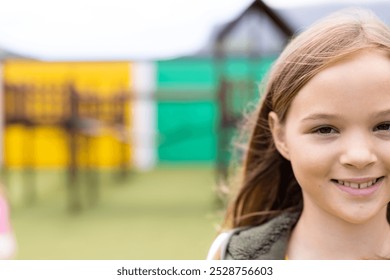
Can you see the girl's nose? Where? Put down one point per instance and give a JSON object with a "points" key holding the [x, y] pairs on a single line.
{"points": [[358, 153]]}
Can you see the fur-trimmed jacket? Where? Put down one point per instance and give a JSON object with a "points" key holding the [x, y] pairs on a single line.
{"points": [[264, 242]]}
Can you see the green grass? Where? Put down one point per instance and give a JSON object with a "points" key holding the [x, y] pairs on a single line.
{"points": [[168, 213]]}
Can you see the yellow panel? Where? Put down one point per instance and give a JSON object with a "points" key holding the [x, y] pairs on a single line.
{"points": [[52, 145], [49, 144], [14, 141]]}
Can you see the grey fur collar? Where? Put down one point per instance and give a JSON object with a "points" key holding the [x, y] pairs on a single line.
{"points": [[267, 241]]}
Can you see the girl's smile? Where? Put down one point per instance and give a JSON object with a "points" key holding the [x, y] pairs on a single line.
{"points": [[359, 186]]}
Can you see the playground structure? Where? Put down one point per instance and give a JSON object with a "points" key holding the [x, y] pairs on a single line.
{"points": [[81, 116]]}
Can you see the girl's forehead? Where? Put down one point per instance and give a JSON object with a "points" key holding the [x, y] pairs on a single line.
{"points": [[356, 87], [368, 67]]}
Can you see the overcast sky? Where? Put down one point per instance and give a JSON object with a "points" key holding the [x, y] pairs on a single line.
{"points": [[117, 29], [292, 3]]}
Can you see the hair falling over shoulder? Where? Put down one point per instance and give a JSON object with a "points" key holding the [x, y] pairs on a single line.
{"points": [[266, 182]]}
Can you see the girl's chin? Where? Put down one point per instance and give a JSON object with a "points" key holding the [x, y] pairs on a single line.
{"points": [[360, 217]]}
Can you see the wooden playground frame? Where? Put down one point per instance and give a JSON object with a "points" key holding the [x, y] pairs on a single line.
{"points": [[81, 115]]}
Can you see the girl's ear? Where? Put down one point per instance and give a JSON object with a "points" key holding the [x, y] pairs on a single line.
{"points": [[278, 136]]}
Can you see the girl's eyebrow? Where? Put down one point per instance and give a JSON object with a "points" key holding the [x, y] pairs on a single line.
{"points": [[326, 116], [321, 116], [382, 113]]}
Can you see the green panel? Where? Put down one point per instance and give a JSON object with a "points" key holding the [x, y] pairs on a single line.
{"points": [[188, 73], [247, 68], [187, 131]]}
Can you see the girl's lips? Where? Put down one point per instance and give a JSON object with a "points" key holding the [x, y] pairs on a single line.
{"points": [[366, 191]]}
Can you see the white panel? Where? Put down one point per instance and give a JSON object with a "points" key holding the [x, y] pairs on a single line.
{"points": [[144, 115]]}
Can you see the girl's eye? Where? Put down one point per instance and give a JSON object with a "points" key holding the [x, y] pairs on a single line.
{"points": [[383, 126], [325, 130]]}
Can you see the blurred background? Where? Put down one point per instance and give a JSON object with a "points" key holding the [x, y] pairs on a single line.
{"points": [[118, 117]]}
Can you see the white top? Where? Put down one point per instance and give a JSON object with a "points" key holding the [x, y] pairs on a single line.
{"points": [[220, 244], [7, 246]]}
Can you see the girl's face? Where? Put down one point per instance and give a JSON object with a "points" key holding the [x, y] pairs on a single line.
{"points": [[337, 137]]}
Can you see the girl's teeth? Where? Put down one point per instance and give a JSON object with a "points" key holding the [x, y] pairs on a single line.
{"points": [[355, 185]]}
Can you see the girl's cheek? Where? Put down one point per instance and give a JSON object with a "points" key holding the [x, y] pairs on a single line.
{"points": [[310, 160]]}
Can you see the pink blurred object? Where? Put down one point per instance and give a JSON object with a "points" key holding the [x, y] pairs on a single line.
{"points": [[7, 238], [4, 216]]}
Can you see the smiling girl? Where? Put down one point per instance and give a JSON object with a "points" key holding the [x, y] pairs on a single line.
{"points": [[315, 182]]}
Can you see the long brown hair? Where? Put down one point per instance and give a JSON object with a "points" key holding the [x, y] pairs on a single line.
{"points": [[267, 184]]}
